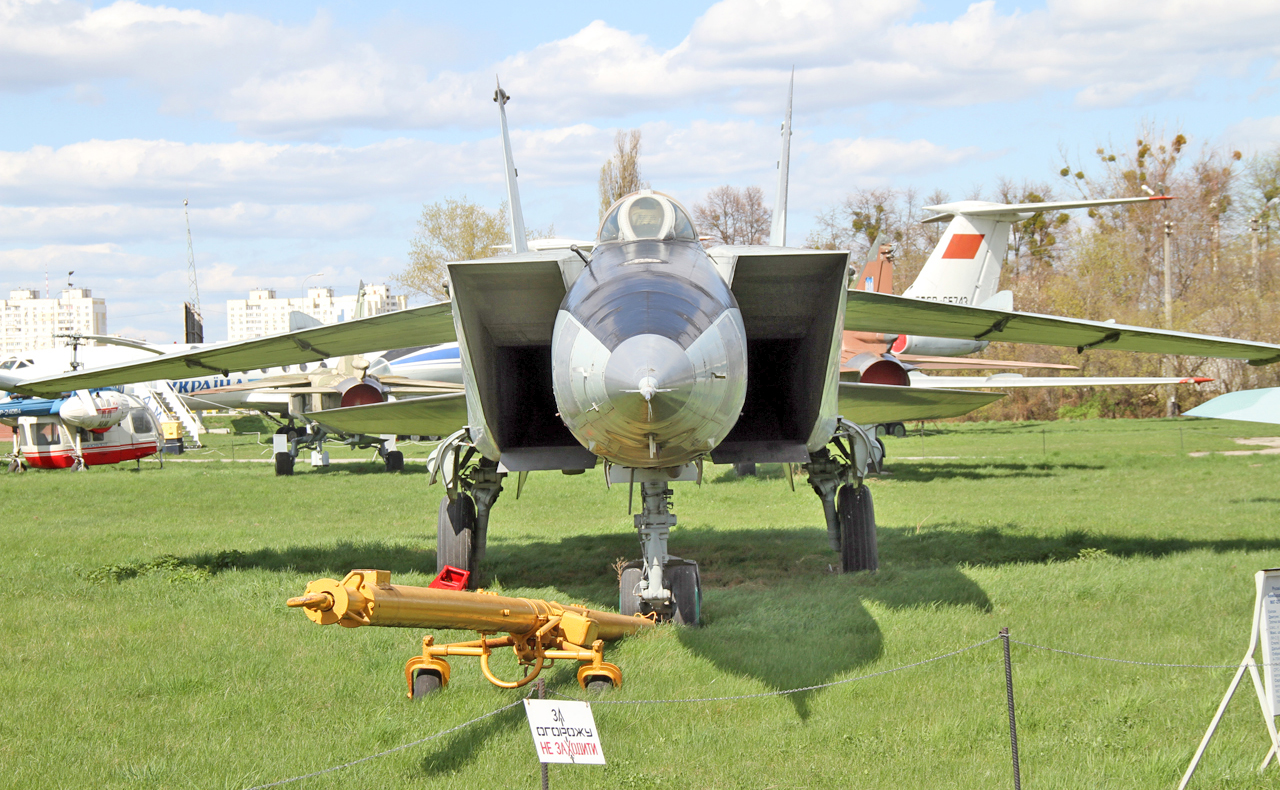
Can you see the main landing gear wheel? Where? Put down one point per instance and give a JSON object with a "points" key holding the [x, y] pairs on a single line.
{"points": [[15, 466], [456, 533], [858, 550], [426, 681], [284, 464], [745, 469], [394, 461]]}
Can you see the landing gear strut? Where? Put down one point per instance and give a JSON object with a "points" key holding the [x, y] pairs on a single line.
{"points": [[846, 501], [472, 483], [667, 586]]}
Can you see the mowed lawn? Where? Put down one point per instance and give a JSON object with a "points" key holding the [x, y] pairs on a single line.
{"points": [[146, 642]]}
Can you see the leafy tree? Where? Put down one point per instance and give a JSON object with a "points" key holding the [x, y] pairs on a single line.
{"points": [[453, 230], [733, 216], [621, 174]]}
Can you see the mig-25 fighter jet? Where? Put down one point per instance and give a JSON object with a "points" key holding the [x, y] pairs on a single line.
{"points": [[654, 355]]}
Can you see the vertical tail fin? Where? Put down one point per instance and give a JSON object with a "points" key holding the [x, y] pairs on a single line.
{"points": [[876, 274], [778, 232], [965, 266], [518, 242]]}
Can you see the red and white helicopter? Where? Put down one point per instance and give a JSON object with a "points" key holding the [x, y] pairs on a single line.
{"points": [[89, 428]]}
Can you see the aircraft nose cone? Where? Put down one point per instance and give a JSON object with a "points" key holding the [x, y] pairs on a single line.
{"points": [[649, 378]]}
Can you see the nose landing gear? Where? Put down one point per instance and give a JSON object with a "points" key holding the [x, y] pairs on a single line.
{"points": [[660, 584]]}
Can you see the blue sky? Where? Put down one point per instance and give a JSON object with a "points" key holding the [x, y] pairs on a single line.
{"points": [[307, 137]]}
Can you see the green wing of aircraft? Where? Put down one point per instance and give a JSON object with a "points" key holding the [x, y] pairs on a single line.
{"points": [[874, 312], [434, 415]]}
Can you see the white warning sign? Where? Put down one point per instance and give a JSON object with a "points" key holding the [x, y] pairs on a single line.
{"points": [[1269, 620], [564, 732]]}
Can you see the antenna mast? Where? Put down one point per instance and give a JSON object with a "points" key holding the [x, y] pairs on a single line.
{"points": [[193, 322]]}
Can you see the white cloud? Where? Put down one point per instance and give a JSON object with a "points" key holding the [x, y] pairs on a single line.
{"points": [[1254, 134], [314, 80]]}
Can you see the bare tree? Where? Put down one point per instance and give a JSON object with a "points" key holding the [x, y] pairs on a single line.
{"points": [[621, 174], [454, 230], [733, 216]]}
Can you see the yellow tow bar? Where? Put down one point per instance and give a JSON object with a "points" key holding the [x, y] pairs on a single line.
{"points": [[539, 632]]}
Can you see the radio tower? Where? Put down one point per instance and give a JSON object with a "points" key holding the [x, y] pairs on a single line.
{"points": [[192, 320]]}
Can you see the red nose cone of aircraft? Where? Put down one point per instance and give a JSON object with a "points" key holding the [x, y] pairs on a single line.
{"points": [[361, 395]]}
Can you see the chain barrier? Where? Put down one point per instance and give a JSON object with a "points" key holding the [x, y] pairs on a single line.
{"points": [[1236, 665], [777, 693], [759, 695], [402, 747]]}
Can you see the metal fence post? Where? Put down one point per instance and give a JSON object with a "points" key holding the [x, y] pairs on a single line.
{"points": [[542, 694], [1013, 725]]}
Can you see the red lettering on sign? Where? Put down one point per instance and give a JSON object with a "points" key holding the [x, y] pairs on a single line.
{"points": [[964, 246]]}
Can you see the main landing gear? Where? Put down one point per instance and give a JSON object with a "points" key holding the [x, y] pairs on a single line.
{"points": [[660, 584], [472, 483], [846, 501]]}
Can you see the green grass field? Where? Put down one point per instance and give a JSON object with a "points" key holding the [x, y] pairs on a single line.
{"points": [[146, 641]]}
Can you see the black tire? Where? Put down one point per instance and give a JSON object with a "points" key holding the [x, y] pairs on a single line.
{"points": [[745, 470], [858, 550], [685, 584], [599, 683], [456, 533], [628, 599], [426, 682], [284, 464], [14, 466], [394, 461]]}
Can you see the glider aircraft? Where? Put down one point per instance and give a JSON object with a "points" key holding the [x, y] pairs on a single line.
{"points": [[654, 355]]}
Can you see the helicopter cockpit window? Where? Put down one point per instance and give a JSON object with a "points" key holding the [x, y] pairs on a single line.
{"points": [[141, 422], [45, 435]]}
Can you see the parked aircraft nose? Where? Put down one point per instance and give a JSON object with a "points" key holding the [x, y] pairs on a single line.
{"points": [[649, 378]]}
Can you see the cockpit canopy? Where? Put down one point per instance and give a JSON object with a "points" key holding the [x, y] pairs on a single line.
{"points": [[647, 215]]}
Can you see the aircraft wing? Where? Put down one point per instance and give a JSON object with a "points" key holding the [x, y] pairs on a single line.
{"points": [[435, 415], [1015, 380], [420, 326], [867, 404], [1261, 405], [874, 312]]}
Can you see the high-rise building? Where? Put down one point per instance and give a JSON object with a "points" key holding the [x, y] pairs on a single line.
{"points": [[29, 323], [263, 314]]}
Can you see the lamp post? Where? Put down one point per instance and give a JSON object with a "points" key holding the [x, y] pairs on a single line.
{"points": [[308, 277]]}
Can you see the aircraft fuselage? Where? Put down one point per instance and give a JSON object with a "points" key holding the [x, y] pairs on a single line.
{"points": [[649, 361]]}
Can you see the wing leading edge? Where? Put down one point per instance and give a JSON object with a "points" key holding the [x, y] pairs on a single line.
{"points": [[874, 312]]}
